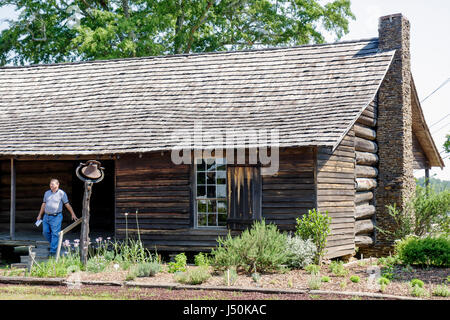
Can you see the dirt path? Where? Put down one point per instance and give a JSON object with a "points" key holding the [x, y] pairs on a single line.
{"points": [[89, 292]]}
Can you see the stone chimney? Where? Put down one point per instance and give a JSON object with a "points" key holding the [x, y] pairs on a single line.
{"points": [[394, 133]]}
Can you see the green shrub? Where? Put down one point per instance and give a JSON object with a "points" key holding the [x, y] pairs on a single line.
{"points": [[314, 282], [256, 277], [55, 269], [431, 211], [96, 264], [148, 269], [260, 249], [325, 279], [132, 273], [193, 276], [425, 213], [201, 259], [416, 283], [354, 279], [230, 276], [313, 268], [315, 226], [388, 272], [179, 265], [417, 291], [384, 281], [343, 284], [441, 291], [429, 251], [338, 269], [300, 252]]}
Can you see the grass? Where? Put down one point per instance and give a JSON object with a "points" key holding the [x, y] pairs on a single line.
{"points": [[42, 293]]}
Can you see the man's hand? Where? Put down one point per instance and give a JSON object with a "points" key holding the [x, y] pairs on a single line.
{"points": [[39, 217], [74, 217]]}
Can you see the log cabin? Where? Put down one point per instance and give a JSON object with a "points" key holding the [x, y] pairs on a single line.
{"points": [[349, 133]]}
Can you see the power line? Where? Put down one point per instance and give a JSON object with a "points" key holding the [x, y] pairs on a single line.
{"points": [[443, 84], [439, 121], [441, 128]]}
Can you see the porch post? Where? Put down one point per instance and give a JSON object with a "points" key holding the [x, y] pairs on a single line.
{"points": [[12, 219], [427, 179]]}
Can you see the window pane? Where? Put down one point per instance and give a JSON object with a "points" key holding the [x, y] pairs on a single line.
{"points": [[201, 220], [211, 191], [221, 174], [211, 177], [212, 206], [222, 206], [221, 191], [201, 165], [222, 219], [210, 164], [201, 191], [201, 206], [212, 220], [201, 178]]}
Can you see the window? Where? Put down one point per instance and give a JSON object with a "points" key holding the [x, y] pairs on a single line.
{"points": [[211, 192]]}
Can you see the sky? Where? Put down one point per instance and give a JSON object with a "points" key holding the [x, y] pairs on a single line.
{"points": [[430, 55]]}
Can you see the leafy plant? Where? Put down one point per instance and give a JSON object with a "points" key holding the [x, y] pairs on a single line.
{"points": [[417, 282], [97, 264], [418, 291], [148, 269], [300, 252], [338, 269], [256, 277], [132, 274], [325, 279], [388, 272], [313, 268], [441, 291], [193, 276], [354, 279], [429, 251], [316, 226], [384, 281], [202, 259], [52, 268], [314, 282], [60, 31], [230, 276], [259, 249], [179, 265], [343, 284], [424, 214]]}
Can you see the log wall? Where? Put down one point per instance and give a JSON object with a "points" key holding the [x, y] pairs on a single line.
{"points": [[161, 192], [291, 192], [366, 174], [336, 194]]}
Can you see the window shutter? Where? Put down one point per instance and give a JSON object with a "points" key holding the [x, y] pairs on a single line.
{"points": [[244, 196]]}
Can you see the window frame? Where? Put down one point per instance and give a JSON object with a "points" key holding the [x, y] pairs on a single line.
{"points": [[196, 199]]}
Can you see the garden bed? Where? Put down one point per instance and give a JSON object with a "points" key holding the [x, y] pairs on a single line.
{"points": [[297, 279]]}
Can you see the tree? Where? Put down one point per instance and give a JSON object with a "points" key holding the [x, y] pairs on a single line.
{"points": [[71, 30], [447, 144]]}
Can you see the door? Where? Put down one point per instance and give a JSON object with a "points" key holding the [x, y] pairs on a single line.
{"points": [[244, 196]]}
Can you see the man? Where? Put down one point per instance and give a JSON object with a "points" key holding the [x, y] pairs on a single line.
{"points": [[52, 205]]}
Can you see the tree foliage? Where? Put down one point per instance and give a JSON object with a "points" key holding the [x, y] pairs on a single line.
{"points": [[69, 30]]}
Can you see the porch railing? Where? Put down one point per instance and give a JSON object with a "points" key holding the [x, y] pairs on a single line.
{"points": [[61, 236]]}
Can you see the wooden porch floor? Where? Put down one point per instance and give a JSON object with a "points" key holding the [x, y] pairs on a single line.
{"points": [[26, 235]]}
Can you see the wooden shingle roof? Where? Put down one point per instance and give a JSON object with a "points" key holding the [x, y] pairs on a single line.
{"points": [[311, 94]]}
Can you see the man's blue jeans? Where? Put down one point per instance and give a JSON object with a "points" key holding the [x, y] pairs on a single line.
{"points": [[51, 225]]}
